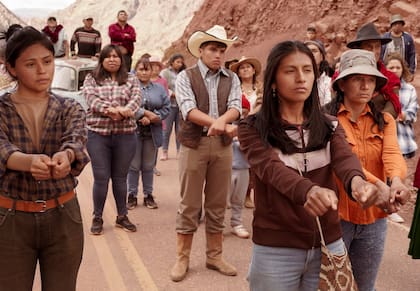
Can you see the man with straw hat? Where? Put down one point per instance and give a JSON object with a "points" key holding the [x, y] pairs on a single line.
{"points": [[209, 99], [402, 42], [368, 38]]}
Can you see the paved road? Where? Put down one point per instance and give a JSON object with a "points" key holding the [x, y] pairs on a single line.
{"points": [[120, 261]]}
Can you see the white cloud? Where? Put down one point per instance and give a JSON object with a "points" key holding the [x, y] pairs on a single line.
{"points": [[50, 4]]}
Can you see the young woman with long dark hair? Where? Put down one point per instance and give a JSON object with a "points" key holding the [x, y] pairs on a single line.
{"points": [[289, 135]]}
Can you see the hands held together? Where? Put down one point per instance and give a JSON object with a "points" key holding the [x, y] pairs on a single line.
{"points": [[118, 113], [319, 200], [219, 127], [59, 166]]}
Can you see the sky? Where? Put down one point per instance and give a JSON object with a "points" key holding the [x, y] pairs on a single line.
{"points": [[49, 4]]}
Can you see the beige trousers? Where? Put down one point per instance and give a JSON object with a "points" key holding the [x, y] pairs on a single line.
{"points": [[208, 166]]}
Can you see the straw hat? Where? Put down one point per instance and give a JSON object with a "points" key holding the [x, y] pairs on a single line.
{"points": [[155, 60], [396, 18], [357, 61], [367, 32], [252, 61], [216, 33]]}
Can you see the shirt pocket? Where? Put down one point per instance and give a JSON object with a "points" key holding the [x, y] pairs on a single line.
{"points": [[374, 148]]}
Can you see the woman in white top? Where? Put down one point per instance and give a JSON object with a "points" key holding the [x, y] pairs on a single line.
{"points": [[324, 79], [248, 69]]}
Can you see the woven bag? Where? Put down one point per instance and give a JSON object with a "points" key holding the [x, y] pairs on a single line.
{"points": [[336, 273]]}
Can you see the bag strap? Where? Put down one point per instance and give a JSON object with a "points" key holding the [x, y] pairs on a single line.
{"points": [[317, 218], [320, 231]]}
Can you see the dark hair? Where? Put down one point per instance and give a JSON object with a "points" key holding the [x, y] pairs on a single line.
{"points": [[334, 106], [100, 74], [174, 57], [324, 66], [406, 75], [52, 18], [217, 43], [23, 38], [311, 28], [145, 62], [271, 126], [9, 32], [254, 77], [121, 11]]}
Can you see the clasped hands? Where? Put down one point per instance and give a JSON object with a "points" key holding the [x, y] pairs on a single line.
{"points": [[219, 127], [44, 167], [319, 200], [118, 113]]}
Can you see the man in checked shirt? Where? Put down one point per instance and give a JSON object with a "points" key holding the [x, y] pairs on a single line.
{"points": [[209, 98]]}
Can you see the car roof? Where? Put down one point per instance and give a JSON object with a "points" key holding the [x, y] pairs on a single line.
{"points": [[79, 63]]}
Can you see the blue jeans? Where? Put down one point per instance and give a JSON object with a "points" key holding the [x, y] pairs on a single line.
{"points": [[110, 157], [365, 244], [144, 160], [287, 269], [172, 118]]}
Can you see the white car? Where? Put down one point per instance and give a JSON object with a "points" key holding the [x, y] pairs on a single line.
{"points": [[69, 76]]}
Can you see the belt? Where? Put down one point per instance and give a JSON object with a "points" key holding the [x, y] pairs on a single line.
{"points": [[35, 206]]}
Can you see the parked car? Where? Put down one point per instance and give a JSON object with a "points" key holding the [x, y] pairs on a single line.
{"points": [[69, 76]]}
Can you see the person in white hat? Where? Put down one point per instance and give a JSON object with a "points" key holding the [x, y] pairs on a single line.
{"points": [[88, 40], [373, 138], [402, 42], [209, 99]]}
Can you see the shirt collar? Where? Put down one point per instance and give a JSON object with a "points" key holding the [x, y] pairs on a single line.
{"points": [[345, 111], [204, 70]]}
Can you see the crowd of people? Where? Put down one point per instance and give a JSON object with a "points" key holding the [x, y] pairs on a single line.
{"points": [[309, 139]]}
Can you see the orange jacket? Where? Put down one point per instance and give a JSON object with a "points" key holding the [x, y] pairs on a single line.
{"points": [[379, 155]]}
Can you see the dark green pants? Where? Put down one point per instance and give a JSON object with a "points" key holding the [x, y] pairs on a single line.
{"points": [[53, 238]]}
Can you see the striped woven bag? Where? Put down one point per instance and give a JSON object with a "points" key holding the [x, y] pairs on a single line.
{"points": [[336, 272]]}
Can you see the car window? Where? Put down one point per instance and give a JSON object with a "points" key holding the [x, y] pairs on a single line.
{"points": [[64, 79]]}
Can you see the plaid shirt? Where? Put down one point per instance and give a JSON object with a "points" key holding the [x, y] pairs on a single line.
{"points": [[100, 97], [408, 100], [64, 127]]}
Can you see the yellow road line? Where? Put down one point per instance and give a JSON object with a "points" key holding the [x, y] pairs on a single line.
{"points": [[106, 260], [133, 259]]}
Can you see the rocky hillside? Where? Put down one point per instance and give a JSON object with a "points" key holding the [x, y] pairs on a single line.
{"points": [[157, 23], [7, 18], [260, 24]]}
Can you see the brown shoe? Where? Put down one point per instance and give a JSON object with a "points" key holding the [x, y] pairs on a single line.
{"points": [[183, 246], [248, 201], [214, 255]]}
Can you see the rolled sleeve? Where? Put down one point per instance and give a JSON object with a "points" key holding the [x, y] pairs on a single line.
{"points": [[184, 94], [75, 136], [6, 150], [234, 99]]}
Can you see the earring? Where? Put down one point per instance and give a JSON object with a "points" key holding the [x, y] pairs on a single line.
{"points": [[274, 93]]}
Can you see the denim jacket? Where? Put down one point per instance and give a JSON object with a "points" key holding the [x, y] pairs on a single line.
{"points": [[155, 99]]}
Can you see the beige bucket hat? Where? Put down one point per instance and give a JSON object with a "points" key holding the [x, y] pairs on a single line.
{"points": [[358, 61], [216, 33], [397, 18], [249, 60]]}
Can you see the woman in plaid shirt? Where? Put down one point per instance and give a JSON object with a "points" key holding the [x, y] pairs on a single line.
{"points": [[42, 142], [113, 96]]}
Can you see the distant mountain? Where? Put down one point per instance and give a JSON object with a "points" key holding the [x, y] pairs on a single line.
{"points": [[157, 23], [7, 18]]}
